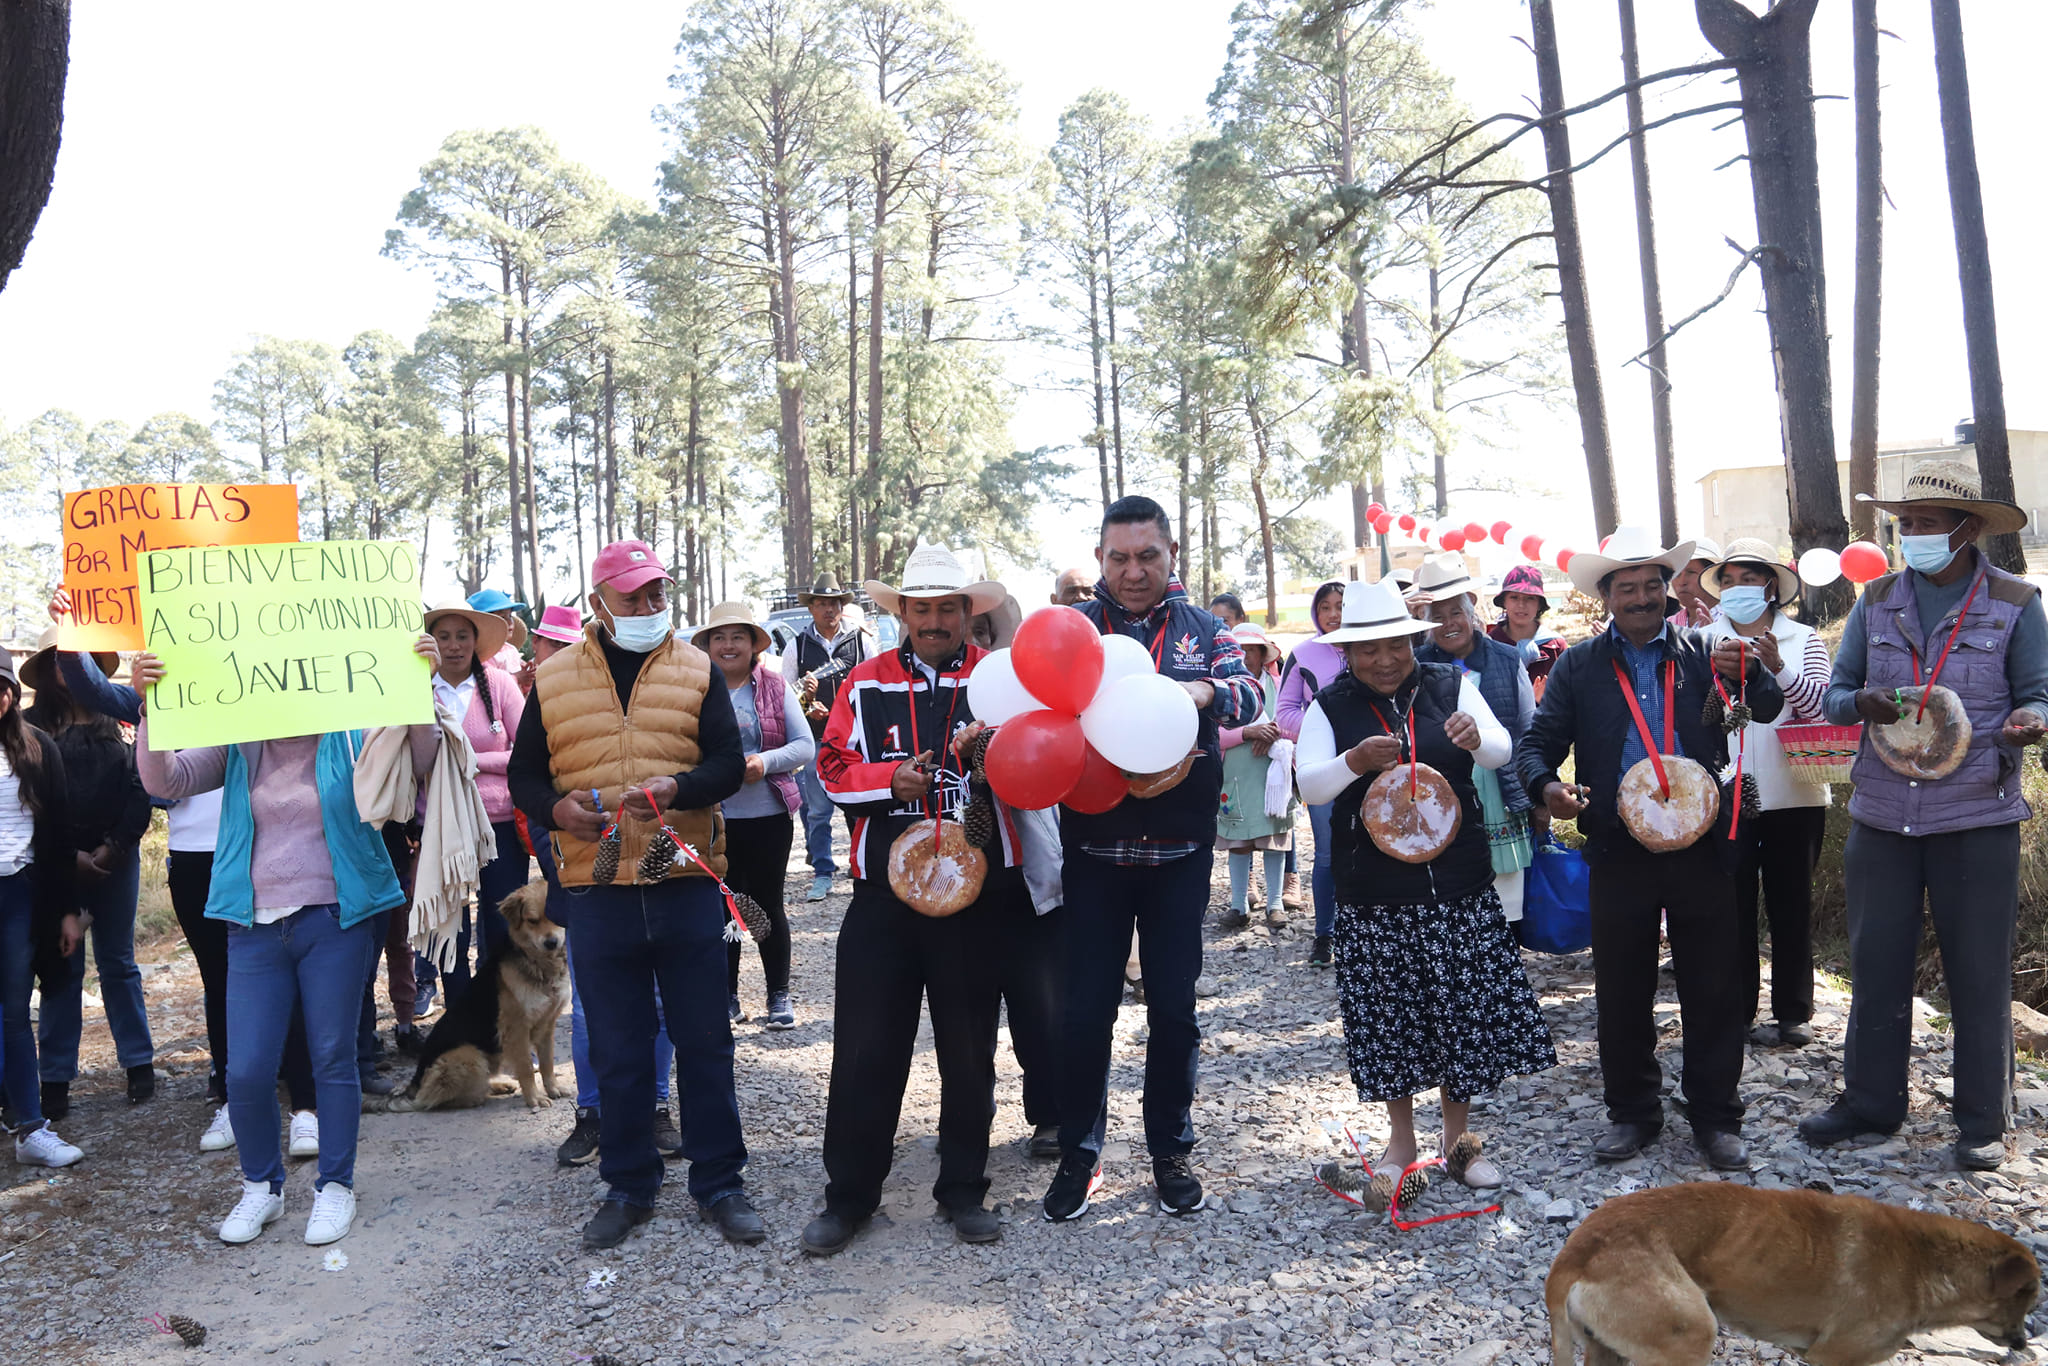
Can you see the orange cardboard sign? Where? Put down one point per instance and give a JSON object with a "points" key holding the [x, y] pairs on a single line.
{"points": [[106, 530]]}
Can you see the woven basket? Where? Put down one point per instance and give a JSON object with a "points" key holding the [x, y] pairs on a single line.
{"points": [[1821, 754]]}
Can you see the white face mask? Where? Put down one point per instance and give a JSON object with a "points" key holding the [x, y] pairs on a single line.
{"points": [[1744, 602], [638, 634]]}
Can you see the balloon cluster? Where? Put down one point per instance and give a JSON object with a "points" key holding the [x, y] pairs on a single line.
{"points": [[1076, 713], [1472, 534]]}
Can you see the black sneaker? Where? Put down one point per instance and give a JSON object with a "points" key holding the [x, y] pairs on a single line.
{"points": [[56, 1100], [1179, 1190], [1320, 956], [141, 1083], [734, 1214], [581, 1144], [667, 1141], [733, 1012], [423, 1000], [377, 1084], [1077, 1180], [612, 1222]]}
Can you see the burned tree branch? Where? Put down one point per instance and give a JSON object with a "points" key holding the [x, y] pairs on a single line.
{"points": [[1755, 253]]}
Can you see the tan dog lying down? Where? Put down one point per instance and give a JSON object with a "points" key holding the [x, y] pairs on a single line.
{"points": [[1838, 1279], [507, 1017]]}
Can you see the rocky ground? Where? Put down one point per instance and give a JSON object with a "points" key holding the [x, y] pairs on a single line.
{"points": [[465, 1248]]}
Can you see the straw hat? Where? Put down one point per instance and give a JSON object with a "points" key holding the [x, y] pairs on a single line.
{"points": [[1953, 484], [1249, 635], [36, 672], [491, 630], [1749, 550], [732, 614], [1704, 549], [1375, 611], [1442, 577], [933, 571], [1629, 545]]}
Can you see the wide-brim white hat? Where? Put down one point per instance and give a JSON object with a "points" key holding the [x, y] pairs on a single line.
{"points": [[933, 571], [1443, 577], [1375, 611], [1628, 546], [1956, 485]]}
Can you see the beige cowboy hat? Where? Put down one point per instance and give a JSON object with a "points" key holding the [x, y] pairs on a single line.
{"points": [[1953, 484], [1704, 549], [1442, 577], [1629, 545], [826, 586], [1004, 619], [733, 614], [36, 672], [1750, 550], [491, 630], [933, 571], [1249, 636], [1375, 611]]}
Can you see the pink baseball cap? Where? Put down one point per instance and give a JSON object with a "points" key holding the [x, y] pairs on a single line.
{"points": [[563, 625], [626, 565]]}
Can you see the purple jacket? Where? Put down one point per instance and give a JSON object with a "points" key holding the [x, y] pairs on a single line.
{"points": [[1986, 789], [769, 688], [1314, 665]]}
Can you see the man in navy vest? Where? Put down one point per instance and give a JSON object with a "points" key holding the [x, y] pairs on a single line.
{"points": [[815, 664], [1145, 862]]}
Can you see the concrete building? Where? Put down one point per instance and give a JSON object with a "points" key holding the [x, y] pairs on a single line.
{"points": [[1749, 500]]}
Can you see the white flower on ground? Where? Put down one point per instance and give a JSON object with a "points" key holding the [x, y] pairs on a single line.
{"points": [[600, 1277], [335, 1260]]}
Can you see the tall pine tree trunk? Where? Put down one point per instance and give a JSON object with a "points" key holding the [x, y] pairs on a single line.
{"points": [[1116, 396], [1653, 294], [35, 41], [511, 434], [852, 393], [1973, 266], [1095, 363], [1571, 273], [795, 456], [1261, 443], [1357, 344], [1865, 330]]}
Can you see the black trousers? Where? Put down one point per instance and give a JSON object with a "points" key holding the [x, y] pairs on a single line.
{"points": [[1695, 892], [890, 959], [1968, 880], [190, 876], [756, 865], [1031, 985], [1779, 851]]}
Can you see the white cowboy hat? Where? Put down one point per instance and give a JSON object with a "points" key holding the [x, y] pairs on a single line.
{"points": [[1704, 549], [492, 631], [1749, 550], [1375, 611], [1957, 485], [933, 571], [1629, 545], [1442, 577]]}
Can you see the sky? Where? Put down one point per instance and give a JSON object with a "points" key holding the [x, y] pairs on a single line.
{"points": [[230, 169]]}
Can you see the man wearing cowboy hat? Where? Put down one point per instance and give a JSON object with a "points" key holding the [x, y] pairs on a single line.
{"points": [[816, 664], [624, 752], [1645, 664], [1951, 843], [1145, 862], [890, 760]]}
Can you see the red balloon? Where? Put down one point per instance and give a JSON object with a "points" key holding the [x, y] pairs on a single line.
{"points": [[1474, 533], [1452, 540], [1862, 562], [1532, 547], [1058, 657], [1406, 521], [1424, 532], [1604, 540], [1102, 785], [1381, 520], [1035, 759], [1500, 532], [1564, 558], [1374, 509]]}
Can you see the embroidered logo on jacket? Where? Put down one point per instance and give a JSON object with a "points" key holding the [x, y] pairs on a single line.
{"points": [[1187, 652]]}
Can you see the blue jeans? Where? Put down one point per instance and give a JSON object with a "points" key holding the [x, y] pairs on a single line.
{"points": [[111, 903], [17, 981], [579, 1050], [305, 963], [1103, 901], [818, 813], [626, 941], [1322, 883]]}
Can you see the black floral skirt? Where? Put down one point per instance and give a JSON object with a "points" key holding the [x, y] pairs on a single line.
{"points": [[1433, 995]]}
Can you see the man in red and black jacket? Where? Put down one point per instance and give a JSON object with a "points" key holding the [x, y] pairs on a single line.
{"points": [[887, 757]]}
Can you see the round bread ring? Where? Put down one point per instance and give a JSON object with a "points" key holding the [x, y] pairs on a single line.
{"points": [[1159, 784], [1932, 747], [1664, 827], [1412, 829], [936, 880]]}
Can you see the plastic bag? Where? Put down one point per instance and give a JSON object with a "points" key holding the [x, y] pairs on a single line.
{"points": [[1556, 907]]}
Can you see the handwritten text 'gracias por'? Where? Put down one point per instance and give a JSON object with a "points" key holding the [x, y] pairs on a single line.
{"points": [[289, 642]]}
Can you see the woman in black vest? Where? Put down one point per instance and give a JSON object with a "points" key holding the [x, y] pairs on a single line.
{"points": [[1428, 974]]}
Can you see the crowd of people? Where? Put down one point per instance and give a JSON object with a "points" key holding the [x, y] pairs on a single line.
{"points": [[656, 781]]}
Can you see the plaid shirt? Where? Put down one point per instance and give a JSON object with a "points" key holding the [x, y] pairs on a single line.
{"points": [[1237, 703]]}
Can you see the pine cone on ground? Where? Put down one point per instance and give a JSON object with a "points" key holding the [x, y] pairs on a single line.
{"points": [[190, 1333]]}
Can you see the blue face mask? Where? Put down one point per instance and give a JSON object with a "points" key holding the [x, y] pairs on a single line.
{"points": [[1744, 602], [638, 634], [1928, 554]]}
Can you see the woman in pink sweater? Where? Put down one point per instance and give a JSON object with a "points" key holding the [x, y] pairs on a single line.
{"points": [[488, 704]]}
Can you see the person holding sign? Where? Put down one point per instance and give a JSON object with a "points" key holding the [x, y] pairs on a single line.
{"points": [[1630, 704], [624, 752], [300, 880], [1429, 976]]}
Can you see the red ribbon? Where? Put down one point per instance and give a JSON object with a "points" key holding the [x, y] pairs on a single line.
{"points": [[1942, 658], [1628, 694], [732, 904], [1410, 719], [1742, 740], [937, 810], [1394, 1203]]}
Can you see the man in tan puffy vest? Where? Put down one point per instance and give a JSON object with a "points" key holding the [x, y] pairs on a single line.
{"points": [[624, 751]]}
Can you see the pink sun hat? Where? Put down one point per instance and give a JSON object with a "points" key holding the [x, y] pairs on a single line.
{"points": [[563, 625]]}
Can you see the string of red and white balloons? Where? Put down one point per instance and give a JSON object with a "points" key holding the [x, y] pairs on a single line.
{"points": [[1858, 562]]}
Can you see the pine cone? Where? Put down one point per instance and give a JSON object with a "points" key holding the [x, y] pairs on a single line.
{"points": [[1752, 800], [1412, 1185], [1463, 1154], [1738, 717], [605, 868], [755, 915], [660, 856], [980, 818], [190, 1333], [977, 752], [1712, 713]]}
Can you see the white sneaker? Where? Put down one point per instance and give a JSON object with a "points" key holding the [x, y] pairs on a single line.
{"points": [[305, 1135], [334, 1209], [252, 1213], [42, 1148], [219, 1135]]}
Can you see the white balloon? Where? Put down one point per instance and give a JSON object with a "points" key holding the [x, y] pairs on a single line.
{"points": [[1142, 723], [994, 693], [1121, 658], [1820, 567]]}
